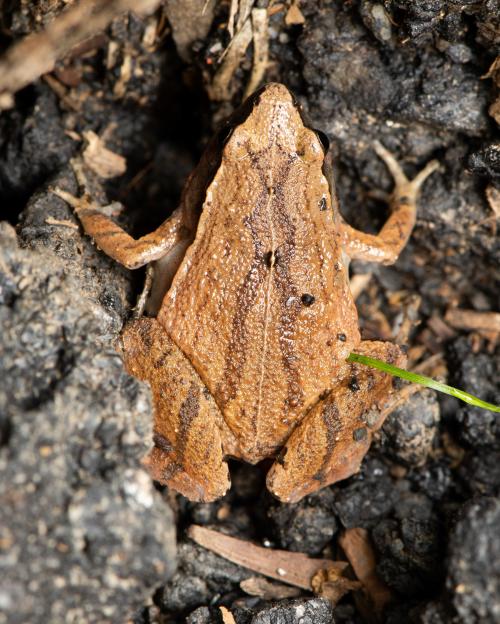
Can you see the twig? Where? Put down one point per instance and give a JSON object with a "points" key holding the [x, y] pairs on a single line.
{"points": [[260, 49], [358, 549], [288, 567], [473, 320], [61, 222]]}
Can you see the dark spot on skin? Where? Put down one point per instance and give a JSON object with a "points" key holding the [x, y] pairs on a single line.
{"points": [[162, 443], [324, 394], [328, 343], [322, 203], [371, 382], [354, 384], [337, 266], [307, 299], [206, 394], [397, 383], [342, 337], [404, 200], [359, 434]]}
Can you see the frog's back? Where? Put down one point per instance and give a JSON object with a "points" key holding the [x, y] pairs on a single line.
{"points": [[261, 303]]}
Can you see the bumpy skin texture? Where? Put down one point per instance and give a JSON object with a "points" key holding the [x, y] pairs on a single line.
{"points": [[247, 355], [262, 295]]}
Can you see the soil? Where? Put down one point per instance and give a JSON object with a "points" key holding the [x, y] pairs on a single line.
{"points": [[85, 536]]}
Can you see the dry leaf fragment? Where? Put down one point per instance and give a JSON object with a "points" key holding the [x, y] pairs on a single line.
{"points": [[289, 567], [331, 585], [105, 163], [358, 549]]}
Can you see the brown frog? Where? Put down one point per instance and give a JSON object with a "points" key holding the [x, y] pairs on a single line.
{"points": [[253, 318]]}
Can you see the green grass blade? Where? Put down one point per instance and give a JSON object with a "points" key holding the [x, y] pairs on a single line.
{"points": [[423, 381]]}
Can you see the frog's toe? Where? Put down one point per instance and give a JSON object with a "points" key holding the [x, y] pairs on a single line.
{"points": [[405, 188]]}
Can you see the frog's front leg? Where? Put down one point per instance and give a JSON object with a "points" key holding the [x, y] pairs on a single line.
{"points": [[386, 246], [335, 435], [189, 432], [116, 243]]}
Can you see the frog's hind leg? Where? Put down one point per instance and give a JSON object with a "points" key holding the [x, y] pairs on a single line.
{"points": [[187, 453], [331, 441], [386, 246]]}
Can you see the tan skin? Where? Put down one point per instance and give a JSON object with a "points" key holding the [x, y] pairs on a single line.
{"points": [[253, 316]]}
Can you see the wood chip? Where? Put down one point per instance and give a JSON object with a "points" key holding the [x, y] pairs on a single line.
{"points": [[293, 568], [359, 551], [227, 616], [472, 320], [105, 163], [28, 59], [294, 15]]}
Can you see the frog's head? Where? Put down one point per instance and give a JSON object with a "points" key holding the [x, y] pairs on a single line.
{"points": [[271, 120]]}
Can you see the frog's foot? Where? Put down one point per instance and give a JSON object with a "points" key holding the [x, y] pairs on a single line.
{"points": [[386, 246], [187, 455], [330, 443], [405, 190]]}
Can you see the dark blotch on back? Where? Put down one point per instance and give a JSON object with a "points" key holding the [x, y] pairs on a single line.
{"points": [[308, 299]]}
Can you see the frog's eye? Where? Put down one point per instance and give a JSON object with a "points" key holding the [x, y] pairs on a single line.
{"points": [[236, 144], [324, 140], [309, 148]]}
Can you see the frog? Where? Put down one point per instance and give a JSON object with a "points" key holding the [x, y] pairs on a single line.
{"points": [[249, 320]]}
